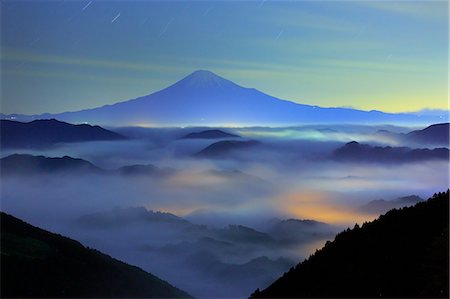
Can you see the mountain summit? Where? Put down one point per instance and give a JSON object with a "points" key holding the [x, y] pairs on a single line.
{"points": [[204, 98], [204, 80]]}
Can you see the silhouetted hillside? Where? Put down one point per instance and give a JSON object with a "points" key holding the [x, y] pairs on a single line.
{"points": [[240, 233], [356, 152], [221, 148], [295, 230], [28, 164], [380, 206], [435, 134], [260, 270], [404, 253], [23, 164], [37, 263], [44, 133], [209, 134], [120, 217]]}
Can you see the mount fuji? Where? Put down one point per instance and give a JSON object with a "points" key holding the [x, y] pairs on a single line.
{"points": [[206, 99]]}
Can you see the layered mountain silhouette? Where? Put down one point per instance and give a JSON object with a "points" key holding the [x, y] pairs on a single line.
{"points": [[380, 206], [234, 258], [220, 149], [437, 134], [24, 164], [240, 233], [39, 264], [119, 217], [434, 135], [44, 133], [402, 254], [209, 134], [206, 98], [258, 271], [356, 152], [297, 231]]}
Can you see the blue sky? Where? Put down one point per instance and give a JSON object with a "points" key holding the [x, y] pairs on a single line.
{"points": [[69, 55]]}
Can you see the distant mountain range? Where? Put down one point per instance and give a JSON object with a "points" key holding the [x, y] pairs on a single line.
{"points": [[220, 149], [402, 254], [258, 271], [237, 256], [437, 134], [209, 134], [356, 152], [45, 133], [204, 98], [380, 206], [434, 135], [279, 230], [39, 264], [24, 164], [119, 217], [296, 231]]}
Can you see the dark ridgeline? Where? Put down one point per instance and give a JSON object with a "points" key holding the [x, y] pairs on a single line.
{"points": [[404, 253], [209, 134], [121, 217], [23, 164], [291, 231], [48, 132], [381, 206], [222, 148], [356, 152], [434, 134], [37, 263]]}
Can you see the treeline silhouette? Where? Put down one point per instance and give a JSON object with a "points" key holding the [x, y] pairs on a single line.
{"points": [[38, 264], [404, 253]]}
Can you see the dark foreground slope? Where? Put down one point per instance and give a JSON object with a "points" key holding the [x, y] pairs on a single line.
{"points": [[37, 263], [404, 253]]}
